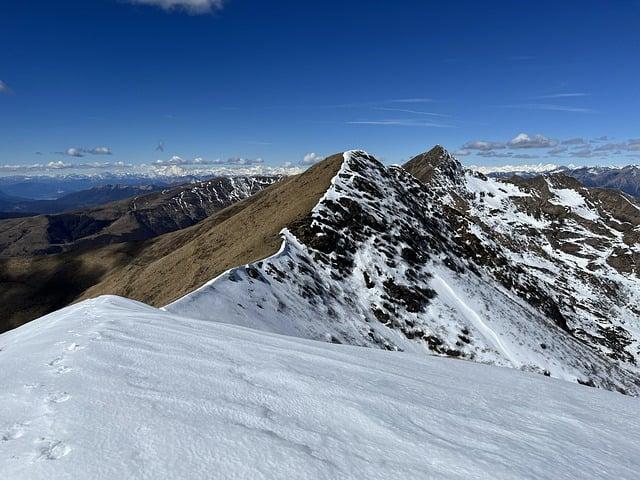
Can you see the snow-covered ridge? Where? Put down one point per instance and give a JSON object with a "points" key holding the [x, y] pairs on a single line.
{"points": [[111, 388], [465, 269], [201, 199]]}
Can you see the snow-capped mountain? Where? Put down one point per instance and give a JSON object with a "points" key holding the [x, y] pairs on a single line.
{"points": [[527, 169], [538, 276], [625, 178], [112, 388]]}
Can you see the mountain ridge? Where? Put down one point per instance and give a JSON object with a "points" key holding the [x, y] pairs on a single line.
{"points": [[537, 274], [431, 262]]}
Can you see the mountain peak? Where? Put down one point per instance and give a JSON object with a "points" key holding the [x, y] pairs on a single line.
{"points": [[436, 162]]}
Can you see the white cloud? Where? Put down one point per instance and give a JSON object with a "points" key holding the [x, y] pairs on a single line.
{"points": [[237, 161], [522, 140], [412, 100], [58, 165], [463, 152], [483, 145], [243, 161], [4, 88], [415, 112], [75, 152], [190, 6], [398, 123], [81, 152], [100, 151], [550, 107], [175, 160], [311, 158], [565, 95]]}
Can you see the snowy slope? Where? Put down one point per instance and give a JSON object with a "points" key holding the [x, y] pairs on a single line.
{"points": [[462, 266], [111, 388]]}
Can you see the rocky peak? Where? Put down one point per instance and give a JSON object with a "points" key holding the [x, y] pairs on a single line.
{"points": [[438, 164]]}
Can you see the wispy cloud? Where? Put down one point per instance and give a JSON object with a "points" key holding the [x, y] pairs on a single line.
{"points": [[550, 107], [380, 103], [415, 112], [565, 95], [190, 6], [4, 88], [399, 123], [412, 100]]}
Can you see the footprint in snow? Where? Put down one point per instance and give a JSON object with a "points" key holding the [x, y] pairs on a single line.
{"points": [[55, 362], [58, 397], [14, 432], [73, 347], [54, 450]]}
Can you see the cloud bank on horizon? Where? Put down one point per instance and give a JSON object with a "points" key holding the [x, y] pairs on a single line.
{"points": [[539, 146]]}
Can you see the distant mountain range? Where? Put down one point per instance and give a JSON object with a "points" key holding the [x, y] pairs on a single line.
{"points": [[625, 178], [13, 207], [54, 186], [135, 218], [24, 188], [46, 261]]}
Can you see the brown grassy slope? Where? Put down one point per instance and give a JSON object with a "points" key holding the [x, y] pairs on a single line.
{"points": [[159, 270], [422, 166], [175, 264]]}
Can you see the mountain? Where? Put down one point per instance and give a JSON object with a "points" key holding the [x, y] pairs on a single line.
{"points": [[135, 218], [540, 277], [509, 170], [625, 179], [117, 237], [538, 274], [159, 270], [113, 388], [40, 186], [12, 207]]}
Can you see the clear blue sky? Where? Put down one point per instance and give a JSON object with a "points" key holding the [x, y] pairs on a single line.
{"points": [[281, 79]]}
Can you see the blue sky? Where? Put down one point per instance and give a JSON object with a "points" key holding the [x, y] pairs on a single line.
{"points": [[233, 81]]}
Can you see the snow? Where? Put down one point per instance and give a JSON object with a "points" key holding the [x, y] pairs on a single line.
{"points": [[112, 388], [533, 168], [572, 199], [448, 294]]}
